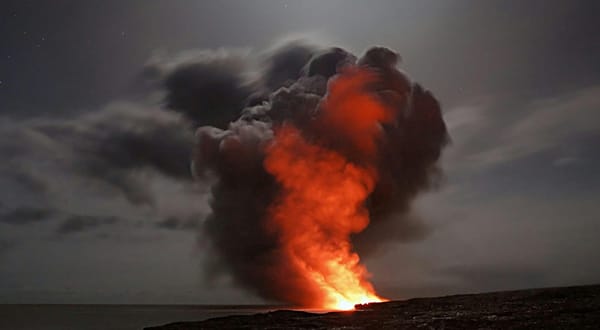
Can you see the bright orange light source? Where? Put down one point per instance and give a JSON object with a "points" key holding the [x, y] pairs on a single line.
{"points": [[323, 196]]}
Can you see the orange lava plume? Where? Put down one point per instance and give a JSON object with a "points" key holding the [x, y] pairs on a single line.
{"points": [[323, 195]]}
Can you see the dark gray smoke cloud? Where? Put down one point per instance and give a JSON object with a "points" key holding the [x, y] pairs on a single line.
{"points": [[243, 191], [284, 65], [180, 223], [79, 223], [210, 91], [211, 87], [109, 146], [81, 172], [25, 214]]}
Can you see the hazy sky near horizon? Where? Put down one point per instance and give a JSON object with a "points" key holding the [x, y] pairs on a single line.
{"points": [[519, 84]]}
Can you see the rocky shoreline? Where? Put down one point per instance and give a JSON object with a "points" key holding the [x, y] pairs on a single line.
{"points": [[551, 308]]}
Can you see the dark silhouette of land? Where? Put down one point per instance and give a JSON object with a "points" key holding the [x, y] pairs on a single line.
{"points": [[552, 308]]}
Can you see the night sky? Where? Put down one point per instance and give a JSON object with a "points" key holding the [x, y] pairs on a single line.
{"points": [[90, 214]]}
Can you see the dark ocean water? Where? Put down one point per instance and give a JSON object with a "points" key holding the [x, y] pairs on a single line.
{"points": [[111, 317]]}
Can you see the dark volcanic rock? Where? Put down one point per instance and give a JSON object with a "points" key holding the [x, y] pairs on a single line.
{"points": [[554, 308]]}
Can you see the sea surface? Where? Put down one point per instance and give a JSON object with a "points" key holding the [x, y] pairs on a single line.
{"points": [[111, 317]]}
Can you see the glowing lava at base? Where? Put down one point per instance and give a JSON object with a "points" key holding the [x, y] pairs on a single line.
{"points": [[320, 207], [323, 196]]}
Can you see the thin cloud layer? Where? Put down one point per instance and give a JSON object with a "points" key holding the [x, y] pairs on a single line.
{"points": [[91, 169], [547, 125]]}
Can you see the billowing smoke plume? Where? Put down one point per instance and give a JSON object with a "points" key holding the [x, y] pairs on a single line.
{"points": [[364, 116]]}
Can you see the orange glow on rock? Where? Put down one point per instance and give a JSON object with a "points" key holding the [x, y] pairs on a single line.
{"points": [[323, 195]]}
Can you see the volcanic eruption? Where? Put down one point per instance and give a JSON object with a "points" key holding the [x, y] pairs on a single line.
{"points": [[305, 176]]}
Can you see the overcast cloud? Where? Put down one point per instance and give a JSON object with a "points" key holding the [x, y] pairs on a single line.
{"points": [[95, 177]]}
